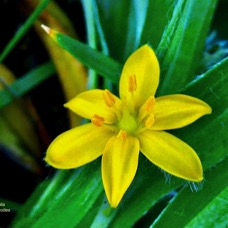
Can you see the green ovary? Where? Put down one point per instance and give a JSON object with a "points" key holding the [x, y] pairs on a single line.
{"points": [[128, 123]]}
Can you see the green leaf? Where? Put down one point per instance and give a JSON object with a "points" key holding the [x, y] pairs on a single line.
{"points": [[157, 17], [26, 83], [101, 63], [11, 145], [100, 31], [190, 207], [208, 135], [214, 214], [90, 217], [183, 51], [23, 29], [64, 201], [122, 24], [138, 12], [114, 17], [91, 39], [169, 31]]}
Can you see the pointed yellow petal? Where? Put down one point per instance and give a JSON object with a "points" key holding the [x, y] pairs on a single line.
{"points": [[171, 154], [140, 76], [176, 111], [95, 103], [78, 146], [119, 165]]}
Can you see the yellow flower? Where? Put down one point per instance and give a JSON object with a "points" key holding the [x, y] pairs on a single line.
{"points": [[121, 127]]}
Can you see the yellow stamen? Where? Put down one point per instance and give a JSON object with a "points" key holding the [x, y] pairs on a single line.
{"points": [[122, 134], [146, 109], [109, 99], [97, 120], [132, 83], [150, 104], [149, 121]]}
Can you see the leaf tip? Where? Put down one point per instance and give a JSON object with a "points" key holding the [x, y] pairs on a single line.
{"points": [[49, 31], [46, 29]]}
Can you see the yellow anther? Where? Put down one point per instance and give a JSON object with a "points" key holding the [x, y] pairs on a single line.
{"points": [[149, 121], [97, 120], [122, 134], [146, 109], [150, 104], [109, 99], [132, 83]]}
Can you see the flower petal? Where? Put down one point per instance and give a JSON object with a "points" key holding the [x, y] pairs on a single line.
{"points": [[176, 111], [171, 154], [92, 103], [119, 165], [78, 146], [141, 75]]}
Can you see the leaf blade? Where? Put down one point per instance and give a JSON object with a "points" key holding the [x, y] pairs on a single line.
{"points": [[102, 64], [26, 83], [24, 28], [183, 61], [186, 205]]}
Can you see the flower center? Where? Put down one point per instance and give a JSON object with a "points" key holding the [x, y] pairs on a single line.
{"points": [[128, 122]]}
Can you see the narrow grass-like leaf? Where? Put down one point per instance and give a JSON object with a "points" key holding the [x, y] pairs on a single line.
{"points": [[122, 23], [89, 218], [38, 202], [114, 17], [21, 124], [12, 146], [214, 214], [72, 74], [184, 51], [17, 118], [66, 201], [102, 40], [208, 137], [100, 31], [187, 205], [26, 83], [91, 39], [157, 17], [138, 11], [169, 31], [23, 29], [104, 65]]}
